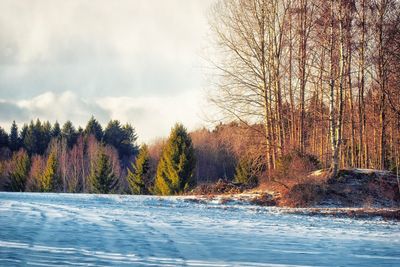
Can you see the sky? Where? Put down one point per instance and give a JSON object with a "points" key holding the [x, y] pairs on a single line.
{"points": [[138, 61]]}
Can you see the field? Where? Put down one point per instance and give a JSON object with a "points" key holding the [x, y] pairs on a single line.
{"points": [[103, 230]]}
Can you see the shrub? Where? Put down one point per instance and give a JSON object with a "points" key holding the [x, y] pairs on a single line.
{"points": [[295, 166], [245, 173]]}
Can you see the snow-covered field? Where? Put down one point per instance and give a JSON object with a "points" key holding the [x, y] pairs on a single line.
{"points": [[104, 230]]}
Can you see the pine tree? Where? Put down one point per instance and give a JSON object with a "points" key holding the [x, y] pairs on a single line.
{"points": [[14, 138], [32, 137], [245, 174], [94, 128], [23, 134], [177, 163], [45, 136], [138, 178], [123, 138], [102, 176], [3, 138], [50, 180], [56, 131], [20, 163], [69, 133]]}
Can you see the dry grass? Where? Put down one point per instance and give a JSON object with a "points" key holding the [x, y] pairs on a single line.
{"points": [[352, 188]]}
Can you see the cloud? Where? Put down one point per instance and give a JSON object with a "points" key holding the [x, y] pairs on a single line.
{"points": [[135, 61], [51, 106], [152, 117], [118, 48], [10, 111], [62, 107]]}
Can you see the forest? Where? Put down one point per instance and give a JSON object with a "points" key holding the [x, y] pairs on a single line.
{"points": [[300, 85], [41, 157], [320, 77]]}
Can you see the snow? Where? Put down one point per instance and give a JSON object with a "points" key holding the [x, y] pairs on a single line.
{"points": [[116, 230], [370, 171], [355, 170], [318, 172]]}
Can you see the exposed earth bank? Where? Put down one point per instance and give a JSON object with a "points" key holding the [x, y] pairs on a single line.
{"points": [[357, 193]]}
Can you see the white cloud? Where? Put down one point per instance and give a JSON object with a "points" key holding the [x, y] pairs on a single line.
{"points": [[118, 48], [61, 107], [136, 61]]}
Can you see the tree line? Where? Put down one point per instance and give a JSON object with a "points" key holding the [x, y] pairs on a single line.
{"points": [[35, 137], [48, 158], [321, 77]]}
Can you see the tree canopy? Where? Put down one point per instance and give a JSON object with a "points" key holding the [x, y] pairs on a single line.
{"points": [[93, 127], [123, 138]]}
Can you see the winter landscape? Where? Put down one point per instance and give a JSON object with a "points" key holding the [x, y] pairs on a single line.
{"points": [[114, 230], [200, 133]]}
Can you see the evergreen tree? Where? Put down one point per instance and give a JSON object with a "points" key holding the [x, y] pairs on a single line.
{"points": [[36, 137], [245, 174], [102, 176], [56, 131], [45, 136], [94, 128], [14, 138], [31, 137], [138, 178], [123, 138], [3, 138], [177, 163], [19, 172], [50, 180], [69, 133], [80, 131], [23, 134], [128, 146]]}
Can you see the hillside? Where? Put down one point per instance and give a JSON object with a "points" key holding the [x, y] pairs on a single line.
{"points": [[353, 188]]}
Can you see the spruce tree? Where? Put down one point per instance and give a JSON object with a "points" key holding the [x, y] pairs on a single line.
{"points": [[22, 135], [56, 130], [45, 136], [102, 176], [245, 174], [138, 178], [31, 138], [93, 127], [3, 138], [177, 163], [69, 133], [14, 138], [20, 163], [50, 180], [123, 138]]}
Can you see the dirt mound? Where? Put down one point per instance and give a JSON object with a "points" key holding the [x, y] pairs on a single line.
{"points": [[221, 187], [352, 188]]}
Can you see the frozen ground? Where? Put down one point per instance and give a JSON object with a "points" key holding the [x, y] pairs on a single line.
{"points": [[100, 230]]}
